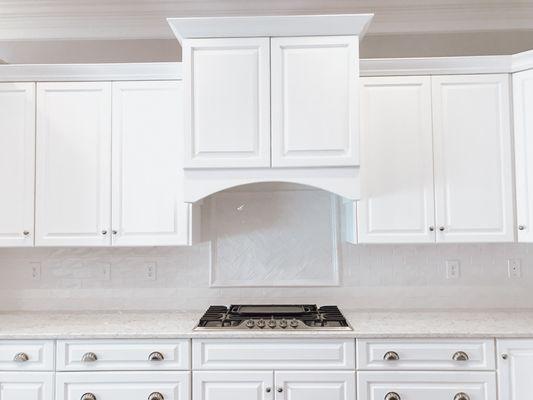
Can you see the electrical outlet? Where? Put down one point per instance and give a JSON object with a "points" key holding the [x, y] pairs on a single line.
{"points": [[514, 268], [150, 271], [453, 269], [35, 271]]}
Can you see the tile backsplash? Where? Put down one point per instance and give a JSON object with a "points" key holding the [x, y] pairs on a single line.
{"points": [[191, 278]]}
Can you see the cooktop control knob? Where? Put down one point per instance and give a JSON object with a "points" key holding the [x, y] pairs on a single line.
{"points": [[294, 324], [250, 323], [272, 324], [283, 323], [261, 323]]}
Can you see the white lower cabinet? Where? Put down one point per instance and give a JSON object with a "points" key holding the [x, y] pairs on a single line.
{"points": [[27, 386], [233, 385], [315, 385], [515, 368]]}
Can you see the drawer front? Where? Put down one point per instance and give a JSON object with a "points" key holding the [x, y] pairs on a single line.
{"points": [[26, 355], [27, 386], [425, 355], [213, 354], [445, 385], [123, 385], [123, 355]]}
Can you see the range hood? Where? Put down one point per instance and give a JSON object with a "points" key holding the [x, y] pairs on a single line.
{"points": [[271, 99]]}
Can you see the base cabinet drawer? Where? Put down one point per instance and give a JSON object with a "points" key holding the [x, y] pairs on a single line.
{"points": [[403, 385], [123, 385], [27, 386], [26, 355]]}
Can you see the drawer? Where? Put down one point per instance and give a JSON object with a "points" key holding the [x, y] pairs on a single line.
{"points": [[123, 385], [425, 355], [33, 355], [27, 386], [407, 385], [246, 354], [123, 355]]}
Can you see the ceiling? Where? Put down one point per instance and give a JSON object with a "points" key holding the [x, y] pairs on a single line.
{"points": [[145, 19]]}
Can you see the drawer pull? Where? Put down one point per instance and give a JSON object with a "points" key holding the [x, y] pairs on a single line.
{"points": [[88, 396], [89, 357], [21, 357], [156, 396], [156, 356], [461, 396], [391, 356], [460, 356], [395, 396]]}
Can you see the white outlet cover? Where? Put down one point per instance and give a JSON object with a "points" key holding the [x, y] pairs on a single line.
{"points": [[35, 268], [453, 269], [514, 268], [150, 271]]}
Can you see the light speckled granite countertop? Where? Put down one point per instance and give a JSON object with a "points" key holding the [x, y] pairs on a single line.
{"points": [[170, 324]]}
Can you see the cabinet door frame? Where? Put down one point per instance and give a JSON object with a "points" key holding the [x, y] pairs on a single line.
{"points": [[263, 378], [513, 349], [19, 238], [45, 380], [285, 380]]}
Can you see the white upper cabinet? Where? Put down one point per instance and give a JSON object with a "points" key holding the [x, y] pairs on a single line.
{"points": [[397, 199], [473, 168], [148, 207], [73, 187], [227, 102], [523, 125], [315, 101], [17, 163]]}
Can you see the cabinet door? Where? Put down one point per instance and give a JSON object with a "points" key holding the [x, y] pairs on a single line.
{"points": [[473, 170], [523, 126], [17, 163], [397, 200], [315, 101], [26, 386], [73, 185], [233, 385], [315, 385], [227, 102], [515, 363], [147, 178]]}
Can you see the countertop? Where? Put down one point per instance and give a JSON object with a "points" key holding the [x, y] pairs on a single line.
{"points": [[172, 324]]}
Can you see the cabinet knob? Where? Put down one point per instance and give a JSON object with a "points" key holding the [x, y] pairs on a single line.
{"points": [[441, 228], [268, 389], [88, 396], [156, 356], [115, 232], [505, 356], [431, 228], [21, 357], [392, 396], [280, 390], [521, 227], [89, 357], [26, 233], [460, 356], [104, 232], [461, 396], [391, 356], [156, 396]]}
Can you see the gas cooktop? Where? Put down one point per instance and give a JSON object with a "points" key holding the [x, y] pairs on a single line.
{"points": [[275, 316]]}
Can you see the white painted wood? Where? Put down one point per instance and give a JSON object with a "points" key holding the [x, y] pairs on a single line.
{"points": [[233, 385], [425, 354], [315, 385], [426, 385], [27, 386], [123, 355], [248, 354], [397, 199], [227, 102], [73, 189], [514, 372], [523, 146], [123, 385], [147, 178], [315, 107], [522, 61], [17, 163], [473, 170], [41, 354]]}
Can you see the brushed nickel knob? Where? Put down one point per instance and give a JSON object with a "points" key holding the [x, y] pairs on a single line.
{"points": [[156, 396], [441, 228], [392, 396], [431, 228], [521, 227], [460, 356], [268, 390], [21, 357], [280, 390], [104, 232], [505, 356], [461, 396], [156, 356], [391, 356], [26, 233], [115, 232], [89, 357], [88, 396]]}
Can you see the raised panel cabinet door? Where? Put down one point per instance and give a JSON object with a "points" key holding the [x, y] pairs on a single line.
{"points": [[233, 385], [26, 386], [315, 385], [17, 163], [397, 200], [315, 101], [227, 102], [523, 141], [515, 365], [147, 179], [473, 167], [73, 184]]}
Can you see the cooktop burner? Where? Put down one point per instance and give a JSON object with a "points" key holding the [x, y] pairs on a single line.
{"points": [[275, 316]]}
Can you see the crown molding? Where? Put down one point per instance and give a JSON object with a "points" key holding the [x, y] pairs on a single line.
{"points": [[522, 61]]}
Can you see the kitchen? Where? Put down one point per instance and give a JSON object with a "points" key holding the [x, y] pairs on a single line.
{"points": [[266, 204]]}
